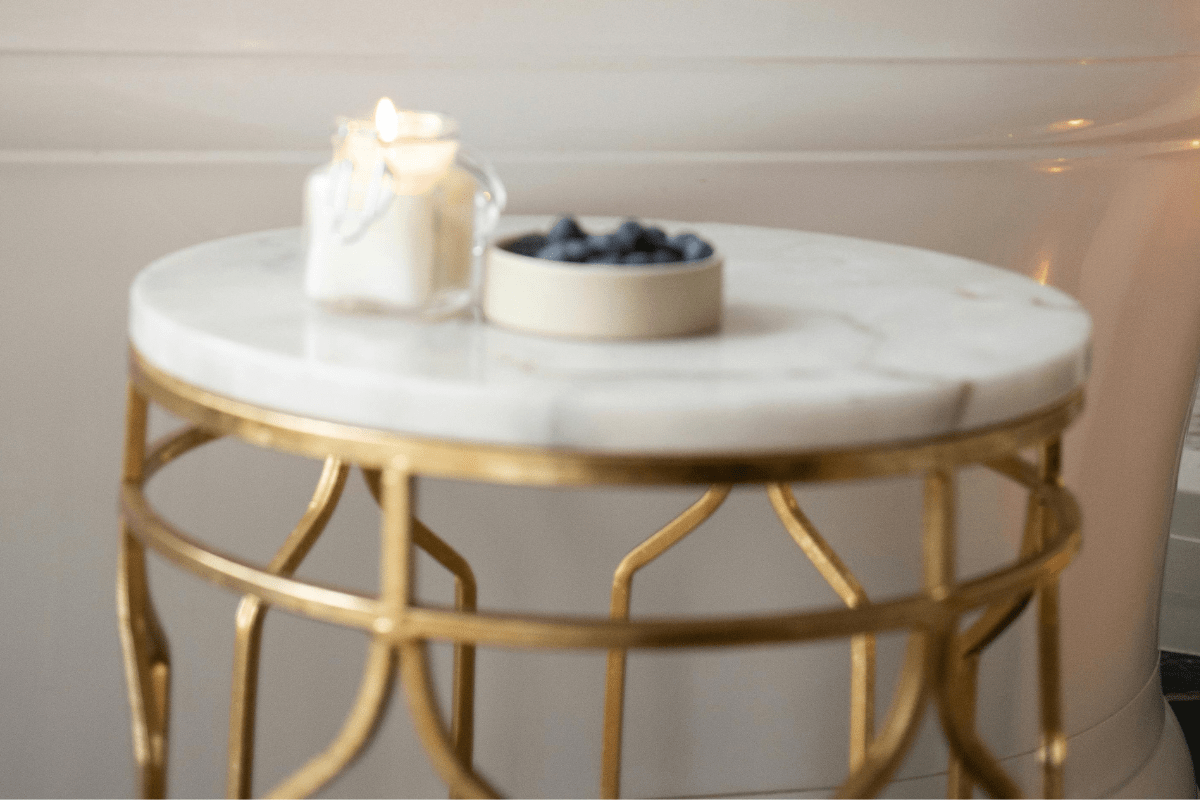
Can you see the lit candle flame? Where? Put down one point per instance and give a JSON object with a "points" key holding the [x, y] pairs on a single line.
{"points": [[1042, 273], [387, 121]]}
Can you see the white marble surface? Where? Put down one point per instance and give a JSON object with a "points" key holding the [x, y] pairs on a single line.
{"points": [[827, 341]]}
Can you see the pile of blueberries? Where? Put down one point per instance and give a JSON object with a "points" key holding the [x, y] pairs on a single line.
{"points": [[631, 243]]}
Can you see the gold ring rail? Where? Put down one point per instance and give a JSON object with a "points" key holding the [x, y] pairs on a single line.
{"points": [[434, 458], [544, 631]]}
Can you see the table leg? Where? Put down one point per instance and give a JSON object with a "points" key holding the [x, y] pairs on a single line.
{"points": [[462, 710], [143, 642], [614, 684], [427, 718], [958, 778], [374, 696], [850, 590], [1053, 751], [252, 612], [952, 696], [375, 691], [400, 534], [462, 713], [887, 750], [947, 676], [972, 642]]}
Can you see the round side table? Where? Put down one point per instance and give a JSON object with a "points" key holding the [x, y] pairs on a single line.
{"points": [[839, 359]]}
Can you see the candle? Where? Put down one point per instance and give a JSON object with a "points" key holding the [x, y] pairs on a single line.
{"points": [[375, 212]]}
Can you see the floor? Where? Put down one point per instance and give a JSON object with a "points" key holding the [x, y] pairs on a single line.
{"points": [[1181, 686]]}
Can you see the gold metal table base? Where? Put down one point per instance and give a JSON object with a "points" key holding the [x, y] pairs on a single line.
{"points": [[941, 661]]}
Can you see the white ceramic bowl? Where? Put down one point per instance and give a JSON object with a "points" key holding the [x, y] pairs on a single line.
{"points": [[602, 301]]}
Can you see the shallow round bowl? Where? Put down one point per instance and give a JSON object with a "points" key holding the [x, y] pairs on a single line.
{"points": [[602, 301]]}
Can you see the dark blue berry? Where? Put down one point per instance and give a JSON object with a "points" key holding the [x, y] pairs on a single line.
{"points": [[565, 228], [691, 246], [626, 236], [630, 244], [600, 243], [555, 251], [683, 241], [652, 239], [527, 245], [574, 250]]}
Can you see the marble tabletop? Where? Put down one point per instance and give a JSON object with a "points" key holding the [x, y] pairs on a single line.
{"points": [[827, 342]]}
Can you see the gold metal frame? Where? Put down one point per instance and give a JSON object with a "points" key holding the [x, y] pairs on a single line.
{"points": [[940, 666]]}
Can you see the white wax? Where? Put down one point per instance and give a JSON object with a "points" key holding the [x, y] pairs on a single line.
{"points": [[389, 265]]}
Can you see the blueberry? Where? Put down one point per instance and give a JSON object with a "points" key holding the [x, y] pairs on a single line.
{"points": [[574, 250], [682, 241], [652, 239], [626, 236], [630, 243], [565, 228], [555, 251], [691, 246], [600, 243], [527, 245]]}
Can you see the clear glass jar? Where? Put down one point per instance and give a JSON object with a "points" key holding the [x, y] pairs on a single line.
{"points": [[399, 225]]}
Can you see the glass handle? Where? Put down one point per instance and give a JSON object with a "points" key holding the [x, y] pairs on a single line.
{"points": [[490, 199], [491, 196]]}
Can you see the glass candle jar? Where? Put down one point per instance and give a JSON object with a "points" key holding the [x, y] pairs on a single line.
{"points": [[398, 221]]}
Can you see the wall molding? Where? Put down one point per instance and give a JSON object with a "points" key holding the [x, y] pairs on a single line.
{"points": [[1051, 156], [945, 29]]}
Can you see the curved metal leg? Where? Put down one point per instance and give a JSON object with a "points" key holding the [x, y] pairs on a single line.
{"points": [[147, 667], [850, 590], [959, 783], [251, 613], [614, 685], [422, 703], [965, 744], [462, 713], [938, 542], [887, 750], [395, 494], [972, 642], [375, 692], [1053, 751], [143, 642], [360, 726]]}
